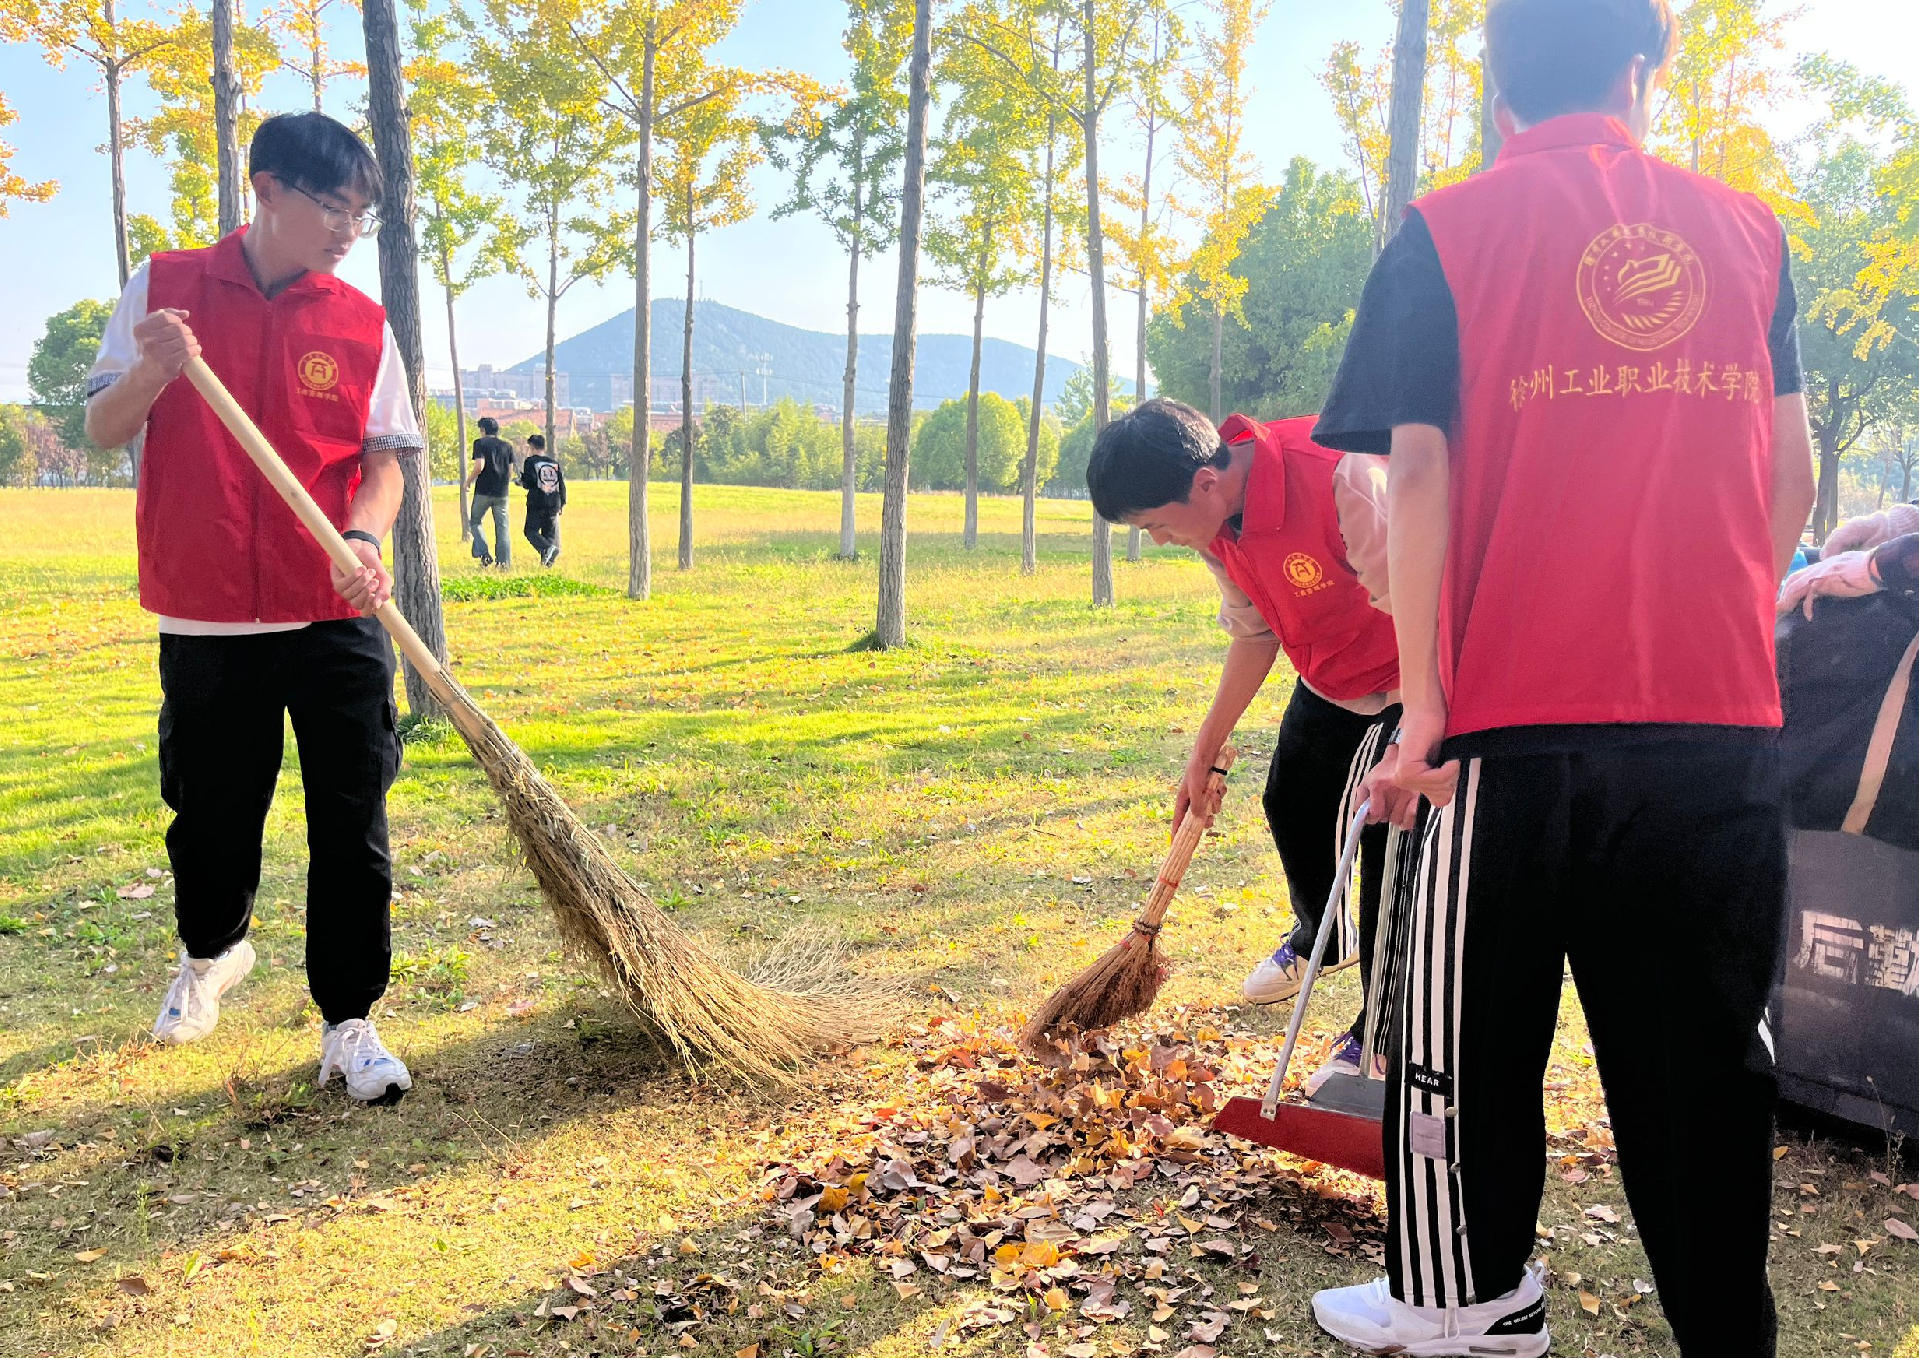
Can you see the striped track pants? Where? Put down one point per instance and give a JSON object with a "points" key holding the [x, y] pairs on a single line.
{"points": [[1656, 870]]}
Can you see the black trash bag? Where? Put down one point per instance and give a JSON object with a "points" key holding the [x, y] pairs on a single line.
{"points": [[1834, 673]]}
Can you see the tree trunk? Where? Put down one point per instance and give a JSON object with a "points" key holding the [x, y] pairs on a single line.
{"points": [[640, 450], [459, 396], [1403, 116], [970, 535], [116, 162], [1140, 324], [849, 472], [1097, 271], [553, 308], [1216, 411], [1490, 138], [226, 118], [416, 568], [890, 619], [1029, 473], [686, 407]]}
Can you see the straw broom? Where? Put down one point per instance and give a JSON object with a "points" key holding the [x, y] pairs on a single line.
{"points": [[1124, 981], [710, 1016]]}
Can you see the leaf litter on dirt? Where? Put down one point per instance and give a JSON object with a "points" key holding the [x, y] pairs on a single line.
{"points": [[1087, 1181]]}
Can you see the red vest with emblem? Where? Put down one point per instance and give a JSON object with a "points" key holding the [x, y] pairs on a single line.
{"points": [[1610, 558], [216, 542], [1291, 560]]}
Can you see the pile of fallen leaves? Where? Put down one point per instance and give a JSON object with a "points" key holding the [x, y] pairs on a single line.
{"points": [[1086, 1179]]}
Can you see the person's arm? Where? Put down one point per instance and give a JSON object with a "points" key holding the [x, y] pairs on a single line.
{"points": [[140, 354], [1249, 660], [1793, 485], [1360, 505], [475, 465], [1418, 486]]}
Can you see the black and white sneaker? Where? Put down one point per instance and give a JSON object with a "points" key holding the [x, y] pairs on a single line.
{"points": [[547, 557], [1369, 1318]]}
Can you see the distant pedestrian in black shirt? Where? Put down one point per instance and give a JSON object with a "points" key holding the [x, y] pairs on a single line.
{"points": [[546, 489], [488, 474]]}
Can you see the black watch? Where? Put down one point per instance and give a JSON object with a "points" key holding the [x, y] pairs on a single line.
{"points": [[366, 535]]}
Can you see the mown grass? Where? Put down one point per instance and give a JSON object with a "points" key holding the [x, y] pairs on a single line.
{"points": [[971, 812]]}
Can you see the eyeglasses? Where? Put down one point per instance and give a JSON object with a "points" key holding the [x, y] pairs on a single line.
{"points": [[338, 219]]}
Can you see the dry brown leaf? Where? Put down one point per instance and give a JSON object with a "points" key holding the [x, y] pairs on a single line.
{"points": [[1600, 1212], [750, 1352], [831, 1201], [87, 1257], [135, 1286], [1901, 1229], [1589, 1303]]}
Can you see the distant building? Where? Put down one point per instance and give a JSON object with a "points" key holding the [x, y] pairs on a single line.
{"points": [[488, 382]]}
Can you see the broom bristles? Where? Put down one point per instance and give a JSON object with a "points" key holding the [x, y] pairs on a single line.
{"points": [[1122, 983], [805, 1002]]}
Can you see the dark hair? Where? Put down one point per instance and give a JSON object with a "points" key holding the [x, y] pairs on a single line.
{"points": [[537, 441], [1147, 458], [315, 153], [1551, 57], [489, 427]]}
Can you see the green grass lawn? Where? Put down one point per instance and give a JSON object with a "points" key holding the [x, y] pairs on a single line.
{"points": [[975, 814]]}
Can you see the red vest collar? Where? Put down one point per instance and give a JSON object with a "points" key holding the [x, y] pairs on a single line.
{"points": [[1263, 502], [228, 262], [1569, 130]]}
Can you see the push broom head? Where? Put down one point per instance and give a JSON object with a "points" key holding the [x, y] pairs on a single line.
{"points": [[803, 1003], [1119, 985]]}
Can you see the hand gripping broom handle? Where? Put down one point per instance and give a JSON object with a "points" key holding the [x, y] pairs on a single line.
{"points": [[241, 426], [1192, 829], [1336, 905]]}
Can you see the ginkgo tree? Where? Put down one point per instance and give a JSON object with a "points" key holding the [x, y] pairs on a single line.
{"points": [[547, 136], [1102, 41], [184, 133], [464, 235], [979, 233], [1215, 87], [1727, 75], [307, 52], [709, 154], [1146, 255], [116, 46], [845, 163], [15, 187]]}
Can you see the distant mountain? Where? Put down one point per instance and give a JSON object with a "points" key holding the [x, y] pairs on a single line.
{"points": [[803, 365]]}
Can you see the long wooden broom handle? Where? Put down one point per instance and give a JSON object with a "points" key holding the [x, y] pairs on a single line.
{"points": [[268, 460], [1185, 841]]}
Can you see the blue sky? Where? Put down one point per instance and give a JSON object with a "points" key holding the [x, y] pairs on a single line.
{"points": [[789, 270]]}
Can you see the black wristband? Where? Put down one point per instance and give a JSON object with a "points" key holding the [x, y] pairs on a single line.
{"points": [[366, 535]]}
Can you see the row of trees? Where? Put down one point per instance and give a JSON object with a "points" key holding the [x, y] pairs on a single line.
{"points": [[559, 142]]}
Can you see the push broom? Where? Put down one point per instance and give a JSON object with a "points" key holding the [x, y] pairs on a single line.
{"points": [[1127, 976], [1340, 1125], [711, 1016]]}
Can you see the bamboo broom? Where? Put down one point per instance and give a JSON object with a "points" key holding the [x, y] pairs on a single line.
{"points": [[1124, 981], [761, 1029]]}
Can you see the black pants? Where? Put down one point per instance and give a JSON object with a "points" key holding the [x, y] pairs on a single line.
{"points": [[221, 722], [543, 530], [1317, 759], [1658, 872]]}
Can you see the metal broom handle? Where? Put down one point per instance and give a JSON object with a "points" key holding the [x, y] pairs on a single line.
{"points": [[261, 452], [1334, 906]]}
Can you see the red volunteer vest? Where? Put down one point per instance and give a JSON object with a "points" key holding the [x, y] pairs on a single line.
{"points": [[216, 542], [1291, 559], [1610, 558]]}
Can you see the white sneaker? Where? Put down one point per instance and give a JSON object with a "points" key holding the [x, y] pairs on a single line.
{"points": [[354, 1050], [192, 1005], [1369, 1318]]}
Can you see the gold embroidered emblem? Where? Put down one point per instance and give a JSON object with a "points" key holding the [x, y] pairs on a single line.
{"points": [[1641, 286], [1301, 570], [318, 370]]}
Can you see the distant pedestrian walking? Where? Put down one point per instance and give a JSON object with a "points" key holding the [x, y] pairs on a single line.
{"points": [[546, 489], [492, 466]]}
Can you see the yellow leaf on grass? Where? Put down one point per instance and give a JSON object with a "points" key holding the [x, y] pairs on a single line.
{"points": [[832, 1200], [1779, 1152], [1589, 1302], [751, 1352], [1829, 1286], [1057, 1300], [87, 1257]]}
